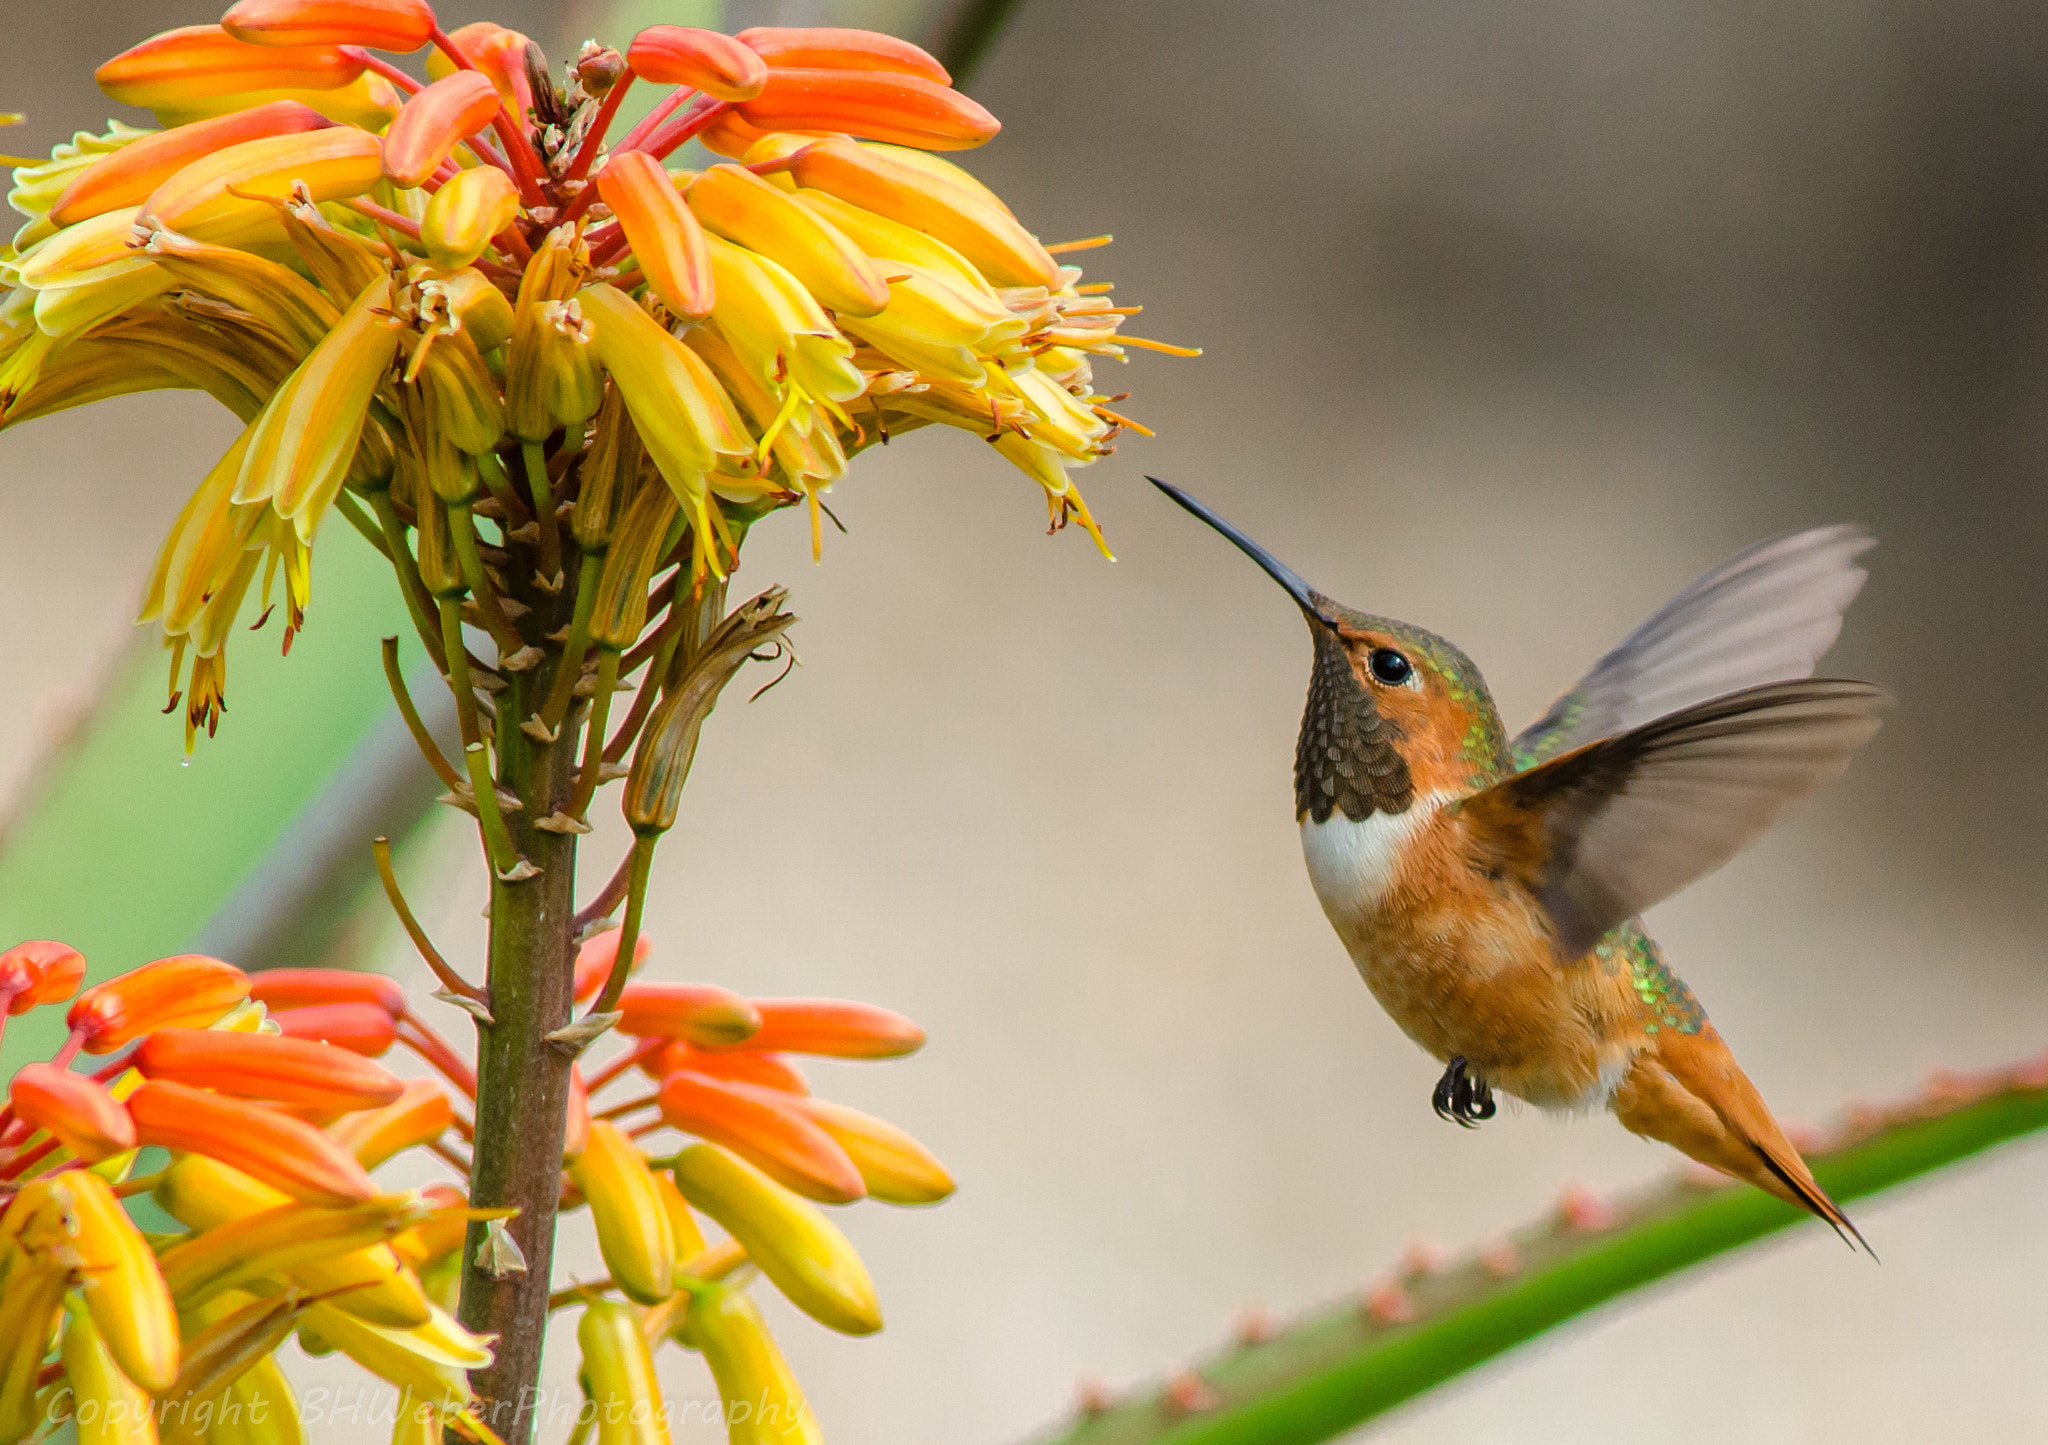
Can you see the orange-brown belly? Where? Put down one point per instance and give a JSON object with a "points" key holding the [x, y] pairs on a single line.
{"points": [[1464, 965]]}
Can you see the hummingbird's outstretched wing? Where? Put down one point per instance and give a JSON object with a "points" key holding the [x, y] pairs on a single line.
{"points": [[1603, 832], [1765, 615]]}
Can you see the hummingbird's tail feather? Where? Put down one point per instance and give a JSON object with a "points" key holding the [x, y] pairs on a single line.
{"points": [[1689, 1092]]}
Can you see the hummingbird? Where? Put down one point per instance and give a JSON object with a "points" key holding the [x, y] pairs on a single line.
{"points": [[1489, 889]]}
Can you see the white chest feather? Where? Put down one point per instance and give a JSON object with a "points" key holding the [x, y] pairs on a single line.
{"points": [[1353, 864]]}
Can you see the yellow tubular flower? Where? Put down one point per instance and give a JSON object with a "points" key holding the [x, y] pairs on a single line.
{"points": [[618, 1374], [633, 1230], [220, 197], [683, 416], [126, 1294], [738, 205], [465, 214], [728, 1329], [110, 1409]]}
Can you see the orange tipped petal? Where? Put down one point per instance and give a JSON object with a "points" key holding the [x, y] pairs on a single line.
{"points": [[434, 122], [879, 104], [400, 26], [760, 1125], [291, 988], [974, 225], [836, 1027], [767, 1071], [286, 1153], [699, 1012], [38, 972], [83, 1116], [664, 234], [218, 197], [719, 65], [361, 1028], [828, 48], [189, 989], [126, 177], [268, 1066], [498, 53], [895, 1167], [195, 62], [595, 958], [420, 1115], [732, 136]]}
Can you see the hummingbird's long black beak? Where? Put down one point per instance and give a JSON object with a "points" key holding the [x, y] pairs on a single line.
{"points": [[1306, 597]]}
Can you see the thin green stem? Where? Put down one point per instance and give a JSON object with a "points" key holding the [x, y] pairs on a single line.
{"points": [[418, 601], [497, 838], [450, 979], [593, 734], [462, 527], [629, 930], [1334, 1370], [543, 508], [422, 739], [457, 666], [352, 509], [563, 693], [493, 472]]}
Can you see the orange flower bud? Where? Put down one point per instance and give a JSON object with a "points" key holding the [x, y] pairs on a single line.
{"points": [[719, 65], [400, 26], [663, 232], [767, 1071], [419, 1115], [38, 972], [195, 62], [361, 1028], [761, 1126], [878, 104], [498, 53], [595, 958], [286, 1153], [83, 1116], [837, 1027], [434, 122], [827, 48], [126, 177], [699, 1012], [731, 135], [267, 1066], [293, 988], [189, 989]]}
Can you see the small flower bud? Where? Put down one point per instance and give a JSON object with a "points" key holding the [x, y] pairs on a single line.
{"points": [[881, 105], [727, 1328], [702, 1013], [829, 48], [127, 177], [38, 972], [221, 197], [399, 26], [619, 613], [633, 1229], [761, 1125], [551, 375], [767, 1071], [498, 53], [839, 1028], [470, 208], [77, 1111], [189, 989], [294, 988], [618, 1374], [717, 64], [195, 62], [895, 1167], [663, 232], [268, 1066], [598, 69], [128, 1299], [434, 122], [361, 1028]]}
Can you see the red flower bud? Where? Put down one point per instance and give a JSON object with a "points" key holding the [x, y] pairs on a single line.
{"points": [[756, 1124], [188, 989], [881, 105], [39, 972], [290, 988], [434, 122], [703, 1013], [400, 26], [826, 48], [719, 65], [768, 1071], [83, 1116], [268, 1066], [361, 1028], [836, 1027]]}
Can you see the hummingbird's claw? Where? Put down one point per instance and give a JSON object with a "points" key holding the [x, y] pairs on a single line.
{"points": [[1462, 1099]]}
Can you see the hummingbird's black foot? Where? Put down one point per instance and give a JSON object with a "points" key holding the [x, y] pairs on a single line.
{"points": [[1462, 1099]]}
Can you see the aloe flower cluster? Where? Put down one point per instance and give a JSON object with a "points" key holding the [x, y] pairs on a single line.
{"points": [[466, 304], [266, 1093]]}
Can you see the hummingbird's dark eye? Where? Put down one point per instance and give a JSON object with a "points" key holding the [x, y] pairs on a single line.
{"points": [[1389, 666]]}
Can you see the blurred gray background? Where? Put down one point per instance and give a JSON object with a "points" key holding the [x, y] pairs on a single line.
{"points": [[1517, 316]]}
